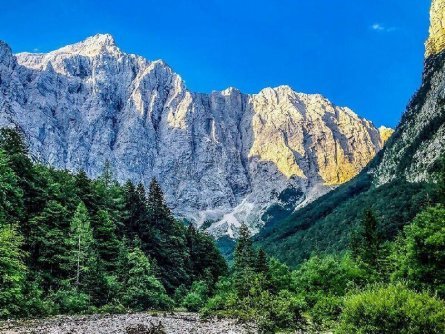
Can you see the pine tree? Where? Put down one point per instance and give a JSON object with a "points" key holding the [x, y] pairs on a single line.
{"points": [[12, 271], [80, 243], [366, 245], [106, 239], [47, 245], [85, 191], [158, 211], [142, 290], [135, 211], [261, 264], [244, 252]]}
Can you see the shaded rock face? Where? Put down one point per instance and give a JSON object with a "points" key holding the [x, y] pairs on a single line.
{"points": [[415, 148], [221, 158]]}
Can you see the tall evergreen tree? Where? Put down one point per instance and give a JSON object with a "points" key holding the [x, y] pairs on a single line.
{"points": [[80, 244], [12, 271], [244, 252], [367, 243], [11, 204], [47, 245], [142, 290], [261, 264], [106, 239]]}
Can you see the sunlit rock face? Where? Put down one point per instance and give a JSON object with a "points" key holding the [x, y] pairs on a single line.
{"points": [[436, 40], [221, 158]]}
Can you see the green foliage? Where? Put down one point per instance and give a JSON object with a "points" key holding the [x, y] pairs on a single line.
{"points": [[196, 297], [80, 245], [325, 225], [392, 309], [244, 252], [420, 257], [142, 290], [70, 244], [12, 272], [11, 203]]}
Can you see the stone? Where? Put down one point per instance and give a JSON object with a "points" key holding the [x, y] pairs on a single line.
{"points": [[221, 158]]}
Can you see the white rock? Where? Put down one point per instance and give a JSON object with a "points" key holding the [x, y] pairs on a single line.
{"points": [[222, 156]]}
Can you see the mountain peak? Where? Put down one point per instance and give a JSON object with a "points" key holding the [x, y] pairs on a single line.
{"points": [[436, 39], [100, 39], [92, 45], [5, 53]]}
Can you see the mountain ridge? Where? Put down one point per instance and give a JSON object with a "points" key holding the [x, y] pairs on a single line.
{"points": [[395, 185], [221, 157]]}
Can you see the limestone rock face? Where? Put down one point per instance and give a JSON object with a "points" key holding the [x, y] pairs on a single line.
{"points": [[417, 144], [436, 40], [221, 158]]}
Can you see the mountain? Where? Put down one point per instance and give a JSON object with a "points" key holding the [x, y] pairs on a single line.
{"points": [[221, 158], [396, 184]]}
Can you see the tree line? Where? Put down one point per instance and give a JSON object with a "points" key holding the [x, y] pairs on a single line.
{"points": [[69, 244], [376, 286]]}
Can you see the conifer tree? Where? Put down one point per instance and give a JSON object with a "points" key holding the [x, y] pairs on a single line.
{"points": [[12, 271], [261, 264], [142, 290], [367, 243], [47, 245], [11, 205], [244, 252], [107, 241], [80, 243]]}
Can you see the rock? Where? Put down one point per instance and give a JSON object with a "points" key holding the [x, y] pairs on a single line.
{"points": [[138, 323], [221, 158], [417, 143], [436, 40]]}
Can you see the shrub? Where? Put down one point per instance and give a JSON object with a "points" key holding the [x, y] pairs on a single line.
{"points": [[196, 298], [420, 256], [392, 309]]}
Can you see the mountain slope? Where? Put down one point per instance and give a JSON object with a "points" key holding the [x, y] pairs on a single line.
{"points": [[395, 184], [221, 158]]}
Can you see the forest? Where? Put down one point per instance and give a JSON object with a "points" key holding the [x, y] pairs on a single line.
{"points": [[72, 245]]}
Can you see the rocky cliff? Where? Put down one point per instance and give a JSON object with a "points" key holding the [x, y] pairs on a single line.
{"points": [[417, 144], [221, 158], [396, 184], [436, 39]]}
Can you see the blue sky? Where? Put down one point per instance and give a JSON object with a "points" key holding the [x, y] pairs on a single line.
{"points": [[364, 54]]}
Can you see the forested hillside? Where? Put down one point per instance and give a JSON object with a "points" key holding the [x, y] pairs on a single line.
{"points": [[69, 244], [396, 185]]}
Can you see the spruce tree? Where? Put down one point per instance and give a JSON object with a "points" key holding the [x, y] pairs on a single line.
{"points": [[142, 290], [106, 239], [47, 247], [244, 252], [80, 244], [261, 264], [367, 243]]}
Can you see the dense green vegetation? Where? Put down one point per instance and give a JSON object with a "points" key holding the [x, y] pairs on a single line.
{"points": [[326, 224], [376, 286], [69, 244]]}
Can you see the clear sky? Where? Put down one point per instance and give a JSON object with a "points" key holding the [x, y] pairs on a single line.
{"points": [[364, 54]]}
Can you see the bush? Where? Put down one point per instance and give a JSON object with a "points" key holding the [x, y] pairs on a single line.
{"points": [[420, 256], [70, 301], [196, 298], [392, 309]]}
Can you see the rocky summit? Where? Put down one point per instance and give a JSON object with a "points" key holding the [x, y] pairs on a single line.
{"points": [[221, 158]]}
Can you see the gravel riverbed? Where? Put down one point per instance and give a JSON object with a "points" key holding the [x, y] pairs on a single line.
{"points": [[138, 323]]}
